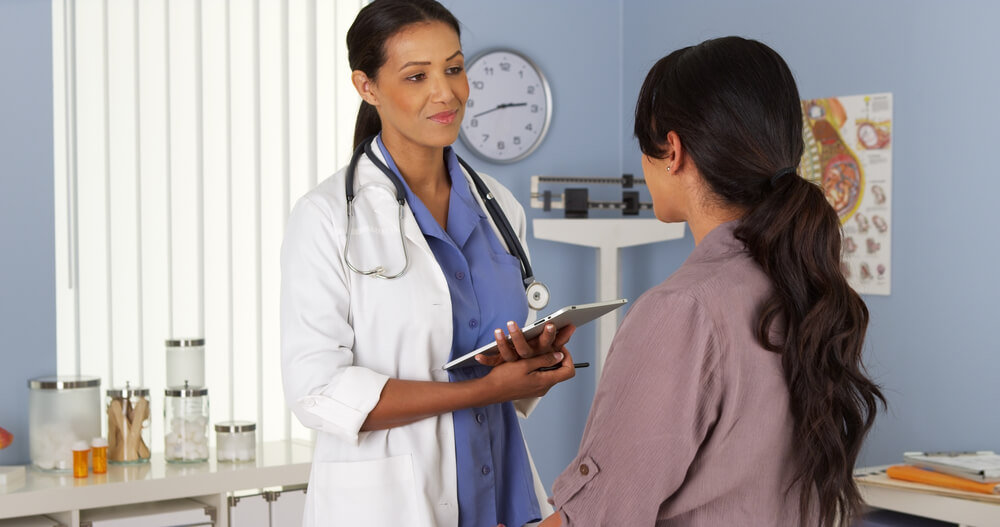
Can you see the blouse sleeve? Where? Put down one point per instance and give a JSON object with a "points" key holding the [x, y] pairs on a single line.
{"points": [[323, 387], [656, 401]]}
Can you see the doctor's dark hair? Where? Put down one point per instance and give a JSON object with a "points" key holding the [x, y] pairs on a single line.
{"points": [[375, 24], [735, 107]]}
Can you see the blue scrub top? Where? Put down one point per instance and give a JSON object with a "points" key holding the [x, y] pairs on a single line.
{"points": [[495, 484]]}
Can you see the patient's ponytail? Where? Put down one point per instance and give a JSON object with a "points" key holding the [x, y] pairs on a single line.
{"points": [[376, 23], [734, 105]]}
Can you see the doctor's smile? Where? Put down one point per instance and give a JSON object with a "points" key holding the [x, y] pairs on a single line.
{"points": [[447, 117]]}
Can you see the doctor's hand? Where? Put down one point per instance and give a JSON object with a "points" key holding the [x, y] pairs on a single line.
{"points": [[510, 381], [518, 347]]}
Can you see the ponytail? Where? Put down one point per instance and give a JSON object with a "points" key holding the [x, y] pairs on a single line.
{"points": [[367, 124], [795, 236], [734, 104]]}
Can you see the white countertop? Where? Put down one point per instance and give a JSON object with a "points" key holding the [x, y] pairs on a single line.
{"points": [[278, 463]]}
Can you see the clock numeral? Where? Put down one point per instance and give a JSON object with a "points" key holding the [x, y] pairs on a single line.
{"points": [[474, 123], [531, 89], [501, 145], [534, 108], [477, 85], [529, 127], [520, 74], [488, 70], [517, 139], [505, 66], [485, 137], [471, 103]]}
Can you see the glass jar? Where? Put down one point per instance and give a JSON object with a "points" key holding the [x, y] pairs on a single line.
{"points": [[128, 424], [185, 417], [185, 362], [61, 411], [235, 441]]}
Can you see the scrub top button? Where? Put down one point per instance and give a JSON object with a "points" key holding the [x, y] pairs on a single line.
{"points": [[486, 470], [584, 469], [480, 418], [459, 275], [473, 323]]}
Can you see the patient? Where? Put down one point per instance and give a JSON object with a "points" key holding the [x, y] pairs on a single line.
{"points": [[734, 392]]}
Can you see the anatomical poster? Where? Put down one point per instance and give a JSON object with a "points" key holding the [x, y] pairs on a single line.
{"points": [[849, 154]]}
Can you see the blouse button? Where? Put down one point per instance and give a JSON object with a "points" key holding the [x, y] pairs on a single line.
{"points": [[584, 469], [459, 275], [479, 418], [473, 323], [486, 470]]}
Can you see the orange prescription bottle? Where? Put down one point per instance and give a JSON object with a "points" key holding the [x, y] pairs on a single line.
{"points": [[99, 447], [80, 453]]}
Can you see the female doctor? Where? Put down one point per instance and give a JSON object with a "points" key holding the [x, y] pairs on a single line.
{"points": [[379, 292]]}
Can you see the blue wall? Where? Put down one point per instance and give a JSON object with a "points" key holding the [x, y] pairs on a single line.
{"points": [[930, 343], [27, 246]]}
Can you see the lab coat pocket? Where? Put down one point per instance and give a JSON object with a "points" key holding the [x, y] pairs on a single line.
{"points": [[377, 492]]}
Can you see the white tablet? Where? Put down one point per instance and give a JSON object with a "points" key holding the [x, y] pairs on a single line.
{"points": [[576, 315]]}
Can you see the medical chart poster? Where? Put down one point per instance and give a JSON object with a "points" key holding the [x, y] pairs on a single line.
{"points": [[848, 152]]}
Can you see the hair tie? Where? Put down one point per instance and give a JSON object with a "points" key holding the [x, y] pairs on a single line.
{"points": [[781, 173]]}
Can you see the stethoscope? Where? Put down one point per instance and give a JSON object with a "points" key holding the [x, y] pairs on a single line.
{"points": [[537, 293]]}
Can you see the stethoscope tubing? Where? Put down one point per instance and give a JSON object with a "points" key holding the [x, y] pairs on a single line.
{"points": [[492, 208]]}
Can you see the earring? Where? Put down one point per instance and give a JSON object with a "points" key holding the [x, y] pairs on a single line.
{"points": [[668, 169]]}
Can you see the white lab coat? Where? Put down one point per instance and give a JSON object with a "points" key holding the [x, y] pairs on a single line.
{"points": [[343, 335]]}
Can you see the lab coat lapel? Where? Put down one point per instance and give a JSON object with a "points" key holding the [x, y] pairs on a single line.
{"points": [[369, 173]]}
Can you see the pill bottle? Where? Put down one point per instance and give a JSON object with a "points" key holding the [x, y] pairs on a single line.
{"points": [[81, 450], [99, 455]]}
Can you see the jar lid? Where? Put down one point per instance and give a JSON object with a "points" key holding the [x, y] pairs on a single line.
{"points": [[64, 382], [235, 426], [185, 391], [127, 391], [184, 343]]}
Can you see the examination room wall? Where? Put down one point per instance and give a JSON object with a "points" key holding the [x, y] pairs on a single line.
{"points": [[27, 252], [932, 343]]}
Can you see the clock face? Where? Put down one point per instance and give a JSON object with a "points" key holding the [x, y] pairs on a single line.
{"points": [[509, 106]]}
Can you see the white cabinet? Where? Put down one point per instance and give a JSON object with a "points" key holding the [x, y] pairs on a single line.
{"points": [[71, 502]]}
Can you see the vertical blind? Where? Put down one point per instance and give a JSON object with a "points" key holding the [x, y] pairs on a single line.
{"points": [[184, 132]]}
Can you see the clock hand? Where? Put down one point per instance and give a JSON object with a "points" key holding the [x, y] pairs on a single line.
{"points": [[501, 107]]}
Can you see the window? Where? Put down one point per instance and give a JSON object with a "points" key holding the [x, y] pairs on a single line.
{"points": [[184, 131]]}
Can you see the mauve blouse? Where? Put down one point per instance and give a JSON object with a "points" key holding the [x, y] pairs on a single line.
{"points": [[691, 424]]}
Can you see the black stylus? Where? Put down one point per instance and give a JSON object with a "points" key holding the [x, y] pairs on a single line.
{"points": [[557, 366]]}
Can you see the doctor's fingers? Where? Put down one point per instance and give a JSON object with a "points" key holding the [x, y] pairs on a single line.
{"points": [[524, 350], [562, 338], [507, 352]]}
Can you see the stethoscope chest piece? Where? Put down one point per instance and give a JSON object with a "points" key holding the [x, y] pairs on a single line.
{"points": [[538, 295]]}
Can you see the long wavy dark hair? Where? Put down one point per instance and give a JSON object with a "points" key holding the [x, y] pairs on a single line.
{"points": [[734, 104], [376, 23]]}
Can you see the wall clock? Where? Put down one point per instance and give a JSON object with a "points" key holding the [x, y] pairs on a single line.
{"points": [[509, 107]]}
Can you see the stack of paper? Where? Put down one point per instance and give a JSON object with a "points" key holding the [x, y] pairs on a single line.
{"points": [[982, 466]]}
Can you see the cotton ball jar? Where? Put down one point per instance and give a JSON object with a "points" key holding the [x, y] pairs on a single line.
{"points": [[61, 411], [236, 441], [185, 417]]}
